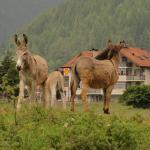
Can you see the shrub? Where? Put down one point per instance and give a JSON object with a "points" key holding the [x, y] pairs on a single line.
{"points": [[137, 96]]}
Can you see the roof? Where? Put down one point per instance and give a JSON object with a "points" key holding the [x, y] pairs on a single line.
{"points": [[86, 53], [138, 56]]}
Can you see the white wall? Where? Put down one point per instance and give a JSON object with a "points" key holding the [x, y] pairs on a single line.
{"points": [[147, 76]]}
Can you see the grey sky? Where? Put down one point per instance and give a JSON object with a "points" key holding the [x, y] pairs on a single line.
{"points": [[16, 13]]}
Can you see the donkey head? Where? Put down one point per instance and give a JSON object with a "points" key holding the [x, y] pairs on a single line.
{"points": [[115, 49], [22, 53]]}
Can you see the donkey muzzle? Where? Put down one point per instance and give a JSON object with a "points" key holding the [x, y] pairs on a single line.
{"points": [[18, 68]]}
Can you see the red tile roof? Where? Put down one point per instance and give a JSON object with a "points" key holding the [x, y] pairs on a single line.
{"points": [[138, 56], [85, 53]]}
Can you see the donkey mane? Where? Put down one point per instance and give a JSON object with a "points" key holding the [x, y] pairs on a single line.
{"points": [[107, 54], [103, 55]]}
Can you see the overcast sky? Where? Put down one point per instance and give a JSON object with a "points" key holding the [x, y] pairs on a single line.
{"points": [[16, 13]]}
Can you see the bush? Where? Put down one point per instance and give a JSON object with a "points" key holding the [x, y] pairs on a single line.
{"points": [[137, 96]]}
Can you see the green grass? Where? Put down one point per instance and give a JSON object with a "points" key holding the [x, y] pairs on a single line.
{"points": [[126, 128], [118, 109]]}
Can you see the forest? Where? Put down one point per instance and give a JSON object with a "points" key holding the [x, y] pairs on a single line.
{"points": [[64, 30]]}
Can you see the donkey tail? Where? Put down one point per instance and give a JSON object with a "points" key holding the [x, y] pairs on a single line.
{"points": [[75, 79], [60, 86], [60, 82], [75, 73]]}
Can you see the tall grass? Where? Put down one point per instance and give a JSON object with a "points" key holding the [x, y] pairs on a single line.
{"points": [[40, 129]]}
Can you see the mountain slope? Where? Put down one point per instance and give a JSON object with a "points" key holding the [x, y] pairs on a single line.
{"points": [[75, 25]]}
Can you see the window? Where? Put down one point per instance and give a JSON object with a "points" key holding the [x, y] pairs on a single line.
{"points": [[142, 72], [122, 71], [129, 64], [124, 59], [129, 72]]}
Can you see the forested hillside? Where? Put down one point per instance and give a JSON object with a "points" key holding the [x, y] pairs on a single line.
{"points": [[75, 25]]}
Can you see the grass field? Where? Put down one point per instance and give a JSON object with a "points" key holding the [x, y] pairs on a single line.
{"points": [[126, 128]]}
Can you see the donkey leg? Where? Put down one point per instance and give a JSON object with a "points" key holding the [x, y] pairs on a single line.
{"points": [[63, 99], [104, 99], [53, 97], [46, 97], [30, 95], [107, 97], [21, 94], [42, 96], [32, 92], [73, 88], [84, 97]]}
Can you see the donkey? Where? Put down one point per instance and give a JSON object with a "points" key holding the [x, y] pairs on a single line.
{"points": [[54, 85], [96, 74], [33, 69]]}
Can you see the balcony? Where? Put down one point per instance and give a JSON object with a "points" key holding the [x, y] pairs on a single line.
{"points": [[135, 78], [131, 78]]}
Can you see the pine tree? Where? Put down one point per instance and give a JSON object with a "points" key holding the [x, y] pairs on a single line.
{"points": [[9, 76]]}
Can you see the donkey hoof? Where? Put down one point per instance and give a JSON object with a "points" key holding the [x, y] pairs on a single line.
{"points": [[106, 111], [72, 109]]}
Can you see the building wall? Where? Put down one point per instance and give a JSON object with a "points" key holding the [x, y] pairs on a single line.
{"points": [[147, 76], [117, 91]]}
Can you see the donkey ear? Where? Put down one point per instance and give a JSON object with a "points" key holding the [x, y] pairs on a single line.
{"points": [[25, 38], [16, 40], [109, 44], [122, 44]]}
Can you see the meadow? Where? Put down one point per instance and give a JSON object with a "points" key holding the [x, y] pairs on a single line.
{"points": [[35, 128]]}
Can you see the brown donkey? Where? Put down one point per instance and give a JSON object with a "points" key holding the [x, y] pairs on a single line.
{"points": [[33, 69], [53, 85], [96, 74]]}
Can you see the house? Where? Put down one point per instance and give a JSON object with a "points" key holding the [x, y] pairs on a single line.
{"points": [[134, 69]]}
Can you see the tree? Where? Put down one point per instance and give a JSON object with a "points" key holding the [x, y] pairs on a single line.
{"points": [[9, 78]]}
